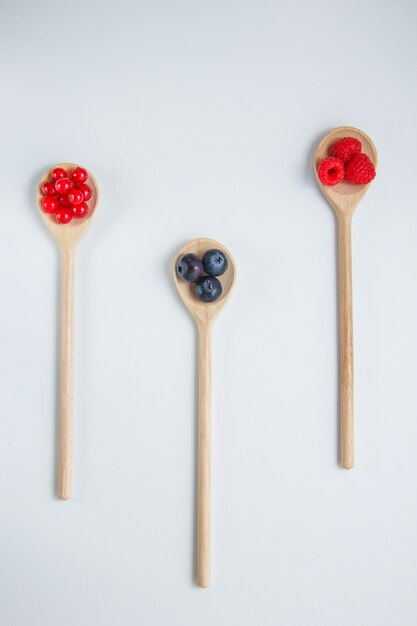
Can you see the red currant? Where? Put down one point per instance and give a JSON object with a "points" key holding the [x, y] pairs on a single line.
{"points": [[63, 216], [63, 185], [75, 196], [63, 202], [49, 205], [48, 189], [85, 190], [79, 175], [58, 172], [80, 210]]}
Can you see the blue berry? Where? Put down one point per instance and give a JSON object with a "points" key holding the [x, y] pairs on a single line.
{"points": [[190, 268], [215, 262], [208, 289]]}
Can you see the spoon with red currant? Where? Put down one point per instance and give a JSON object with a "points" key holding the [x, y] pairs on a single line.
{"points": [[204, 274], [345, 163], [67, 199]]}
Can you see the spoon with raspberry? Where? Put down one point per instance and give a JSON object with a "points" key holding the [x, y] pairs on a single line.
{"points": [[67, 199], [345, 163]]}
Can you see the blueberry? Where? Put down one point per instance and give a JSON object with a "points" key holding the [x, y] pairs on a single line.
{"points": [[190, 268], [208, 289], [215, 262]]}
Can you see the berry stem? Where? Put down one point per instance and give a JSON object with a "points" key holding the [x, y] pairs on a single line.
{"points": [[346, 340], [204, 457], [67, 373]]}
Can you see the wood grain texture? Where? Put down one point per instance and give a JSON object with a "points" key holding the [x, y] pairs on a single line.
{"points": [[204, 456], [204, 315], [67, 236], [346, 342], [66, 400], [344, 199]]}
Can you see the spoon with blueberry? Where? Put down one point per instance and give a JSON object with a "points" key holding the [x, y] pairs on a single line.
{"points": [[205, 274], [67, 199], [345, 165]]}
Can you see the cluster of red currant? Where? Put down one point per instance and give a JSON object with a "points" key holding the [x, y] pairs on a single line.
{"points": [[66, 195]]}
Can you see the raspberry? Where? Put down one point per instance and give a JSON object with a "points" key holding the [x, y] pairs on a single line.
{"points": [[359, 170], [345, 148], [331, 171]]}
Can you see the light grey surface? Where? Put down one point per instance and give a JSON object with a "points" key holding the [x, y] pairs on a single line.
{"points": [[200, 118]]}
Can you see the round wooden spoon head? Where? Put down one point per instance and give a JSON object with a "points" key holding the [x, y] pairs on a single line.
{"points": [[204, 311], [67, 234], [344, 197]]}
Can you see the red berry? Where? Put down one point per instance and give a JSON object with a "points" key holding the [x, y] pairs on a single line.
{"points": [[58, 172], [49, 205], [80, 210], [79, 175], [75, 196], [359, 170], [48, 189], [345, 148], [63, 216], [85, 190], [63, 185], [63, 202], [331, 171]]}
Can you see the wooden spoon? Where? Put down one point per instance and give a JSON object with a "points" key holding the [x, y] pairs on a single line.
{"points": [[204, 314], [67, 236], [344, 199]]}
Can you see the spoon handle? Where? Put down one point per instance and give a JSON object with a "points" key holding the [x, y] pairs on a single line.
{"points": [[67, 374], [204, 457], [346, 341]]}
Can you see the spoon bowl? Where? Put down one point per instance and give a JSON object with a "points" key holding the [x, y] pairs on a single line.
{"points": [[344, 197], [67, 234], [204, 311]]}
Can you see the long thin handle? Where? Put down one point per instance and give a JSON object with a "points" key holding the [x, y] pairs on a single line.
{"points": [[67, 375], [346, 342], [204, 458]]}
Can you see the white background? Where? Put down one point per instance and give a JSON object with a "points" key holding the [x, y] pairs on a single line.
{"points": [[200, 119]]}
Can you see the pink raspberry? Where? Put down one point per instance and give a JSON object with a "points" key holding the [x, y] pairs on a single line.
{"points": [[345, 148], [331, 171], [359, 170]]}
